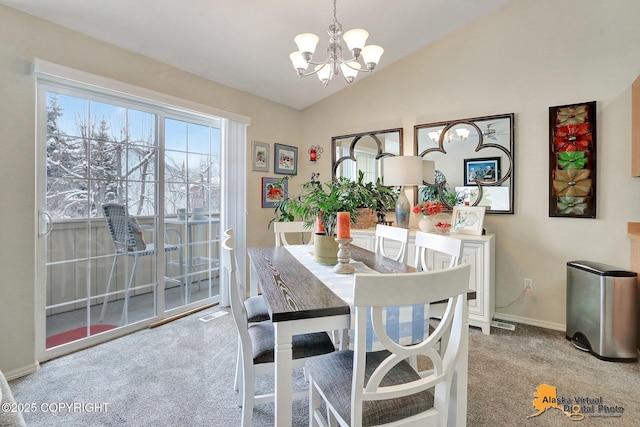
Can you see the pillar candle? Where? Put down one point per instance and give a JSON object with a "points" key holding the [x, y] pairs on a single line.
{"points": [[320, 226], [343, 225]]}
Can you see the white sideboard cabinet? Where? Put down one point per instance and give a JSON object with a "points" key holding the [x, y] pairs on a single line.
{"points": [[478, 251]]}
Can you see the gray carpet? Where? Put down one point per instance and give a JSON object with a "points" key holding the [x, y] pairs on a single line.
{"points": [[181, 374]]}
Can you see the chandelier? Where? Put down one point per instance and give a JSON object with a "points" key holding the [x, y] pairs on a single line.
{"points": [[460, 134], [334, 62]]}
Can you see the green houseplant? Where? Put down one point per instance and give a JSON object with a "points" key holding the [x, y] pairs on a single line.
{"points": [[363, 195], [371, 198], [385, 198], [332, 197], [324, 201]]}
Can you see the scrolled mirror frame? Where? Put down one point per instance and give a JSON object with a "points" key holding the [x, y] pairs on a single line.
{"points": [[509, 174], [335, 162]]}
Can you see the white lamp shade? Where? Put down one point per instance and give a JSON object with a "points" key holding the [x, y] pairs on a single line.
{"points": [[306, 42], [324, 71], [402, 170], [298, 61], [348, 70], [372, 53], [356, 38], [429, 171]]}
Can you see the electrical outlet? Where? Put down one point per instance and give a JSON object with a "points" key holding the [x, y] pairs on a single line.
{"points": [[528, 285]]}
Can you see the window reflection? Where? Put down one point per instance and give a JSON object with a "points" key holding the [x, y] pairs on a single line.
{"points": [[474, 161], [364, 152]]}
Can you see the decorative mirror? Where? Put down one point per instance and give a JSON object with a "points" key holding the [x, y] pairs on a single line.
{"points": [[474, 162], [364, 151]]}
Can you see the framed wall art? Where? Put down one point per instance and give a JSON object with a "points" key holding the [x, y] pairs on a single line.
{"points": [[486, 170], [274, 190], [467, 219], [286, 159], [572, 160], [260, 156]]}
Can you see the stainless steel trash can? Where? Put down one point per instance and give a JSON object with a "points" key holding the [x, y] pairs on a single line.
{"points": [[602, 310]]}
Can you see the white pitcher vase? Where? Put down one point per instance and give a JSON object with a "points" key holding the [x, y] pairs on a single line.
{"points": [[426, 224]]}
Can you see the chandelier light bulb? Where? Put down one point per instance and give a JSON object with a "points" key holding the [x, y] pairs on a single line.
{"points": [[371, 55], [324, 73], [298, 61], [435, 136], [350, 70], [460, 134], [355, 40], [463, 133], [306, 43]]}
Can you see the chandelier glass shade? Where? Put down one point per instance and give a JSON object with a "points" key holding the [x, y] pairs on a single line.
{"points": [[460, 134], [335, 64]]}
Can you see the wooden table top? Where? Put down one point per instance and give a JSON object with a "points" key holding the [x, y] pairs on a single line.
{"points": [[293, 292]]}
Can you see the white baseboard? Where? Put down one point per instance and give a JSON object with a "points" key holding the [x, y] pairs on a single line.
{"points": [[532, 322], [21, 372]]}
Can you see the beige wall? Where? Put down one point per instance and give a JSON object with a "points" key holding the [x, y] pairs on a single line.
{"points": [[23, 38], [523, 59]]}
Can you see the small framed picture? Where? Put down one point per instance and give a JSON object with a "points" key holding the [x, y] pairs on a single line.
{"points": [[486, 170], [260, 157], [285, 159], [467, 220], [274, 190]]}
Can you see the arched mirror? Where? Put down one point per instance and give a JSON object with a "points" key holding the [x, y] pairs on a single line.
{"points": [[364, 151], [474, 162]]}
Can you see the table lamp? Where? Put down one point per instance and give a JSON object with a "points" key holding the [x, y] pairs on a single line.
{"points": [[402, 171]]}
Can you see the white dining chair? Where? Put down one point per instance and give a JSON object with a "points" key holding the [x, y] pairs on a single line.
{"points": [[281, 229], [257, 341], [440, 244], [255, 307], [431, 253], [386, 234], [256, 311], [381, 387]]}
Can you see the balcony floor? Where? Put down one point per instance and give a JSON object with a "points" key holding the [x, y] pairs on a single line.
{"points": [[140, 307]]}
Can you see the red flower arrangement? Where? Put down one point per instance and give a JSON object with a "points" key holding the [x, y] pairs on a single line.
{"points": [[428, 208]]}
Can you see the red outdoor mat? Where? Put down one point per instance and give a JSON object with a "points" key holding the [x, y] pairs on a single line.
{"points": [[76, 334]]}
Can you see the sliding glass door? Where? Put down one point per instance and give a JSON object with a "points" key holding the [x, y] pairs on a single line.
{"points": [[192, 195], [130, 204]]}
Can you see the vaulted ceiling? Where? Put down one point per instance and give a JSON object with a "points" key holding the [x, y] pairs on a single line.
{"points": [[245, 44]]}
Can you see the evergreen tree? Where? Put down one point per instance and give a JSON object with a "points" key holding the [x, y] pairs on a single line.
{"points": [[65, 160]]}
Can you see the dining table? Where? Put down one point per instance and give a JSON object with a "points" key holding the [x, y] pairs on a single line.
{"points": [[304, 296]]}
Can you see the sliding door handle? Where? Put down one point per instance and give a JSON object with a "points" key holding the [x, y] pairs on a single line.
{"points": [[45, 223]]}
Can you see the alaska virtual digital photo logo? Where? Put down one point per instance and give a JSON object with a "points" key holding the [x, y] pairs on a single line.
{"points": [[575, 408]]}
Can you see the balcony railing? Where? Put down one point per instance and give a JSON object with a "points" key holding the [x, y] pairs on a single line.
{"points": [[80, 256]]}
